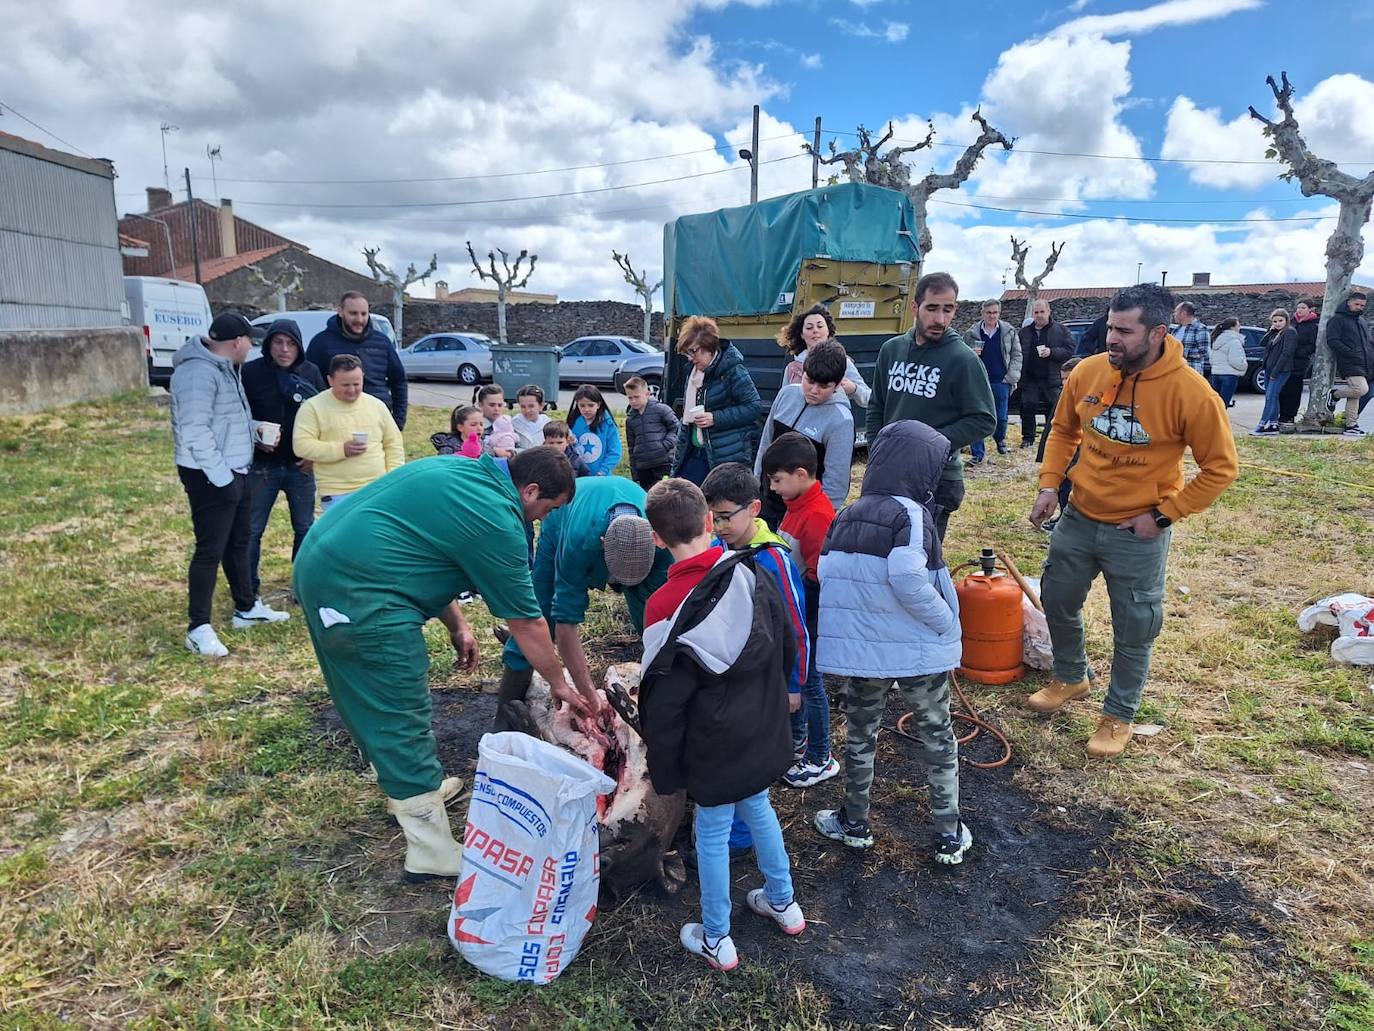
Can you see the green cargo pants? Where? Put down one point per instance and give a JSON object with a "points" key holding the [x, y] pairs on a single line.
{"points": [[378, 678], [1133, 569], [928, 698]]}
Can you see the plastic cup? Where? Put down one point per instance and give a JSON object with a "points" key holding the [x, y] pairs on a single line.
{"points": [[360, 436], [269, 433]]}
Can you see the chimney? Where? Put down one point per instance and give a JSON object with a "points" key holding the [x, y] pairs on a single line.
{"points": [[440, 290], [228, 243], [1202, 279], [158, 198]]}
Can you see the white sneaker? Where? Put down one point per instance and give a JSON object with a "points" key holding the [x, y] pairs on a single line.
{"points": [[721, 955], [259, 614], [789, 917], [204, 641]]}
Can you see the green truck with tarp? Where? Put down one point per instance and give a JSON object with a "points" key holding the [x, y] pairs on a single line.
{"points": [[851, 247]]}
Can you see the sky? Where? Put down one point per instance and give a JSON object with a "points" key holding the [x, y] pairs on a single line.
{"points": [[572, 130]]}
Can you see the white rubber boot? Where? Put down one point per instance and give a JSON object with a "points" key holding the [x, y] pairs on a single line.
{"points": [[430, 848]]}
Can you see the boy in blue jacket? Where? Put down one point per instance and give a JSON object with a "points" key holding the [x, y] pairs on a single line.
{"points": [[889, 613]]}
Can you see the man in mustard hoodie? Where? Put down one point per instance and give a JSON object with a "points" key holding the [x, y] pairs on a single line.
{"points": [[1130, 412]]}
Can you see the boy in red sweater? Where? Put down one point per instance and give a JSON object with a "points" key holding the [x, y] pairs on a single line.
{"points": [[717, 648], [790, 465]]}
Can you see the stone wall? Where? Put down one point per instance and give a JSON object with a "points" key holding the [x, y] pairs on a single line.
{"points": [[322, 284], [49, 367], [1251, 309], [528, 323]]}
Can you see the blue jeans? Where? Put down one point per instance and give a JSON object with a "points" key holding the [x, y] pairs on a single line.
{"points": [[713, 857], [694, 465], [1225, 386], [1001, 393], [265, 480], [1272, 387], [811, 723]]}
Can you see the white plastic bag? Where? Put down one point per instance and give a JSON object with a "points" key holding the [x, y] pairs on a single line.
{"points": [[526, 894], [1353, 616], [1035, 637]]}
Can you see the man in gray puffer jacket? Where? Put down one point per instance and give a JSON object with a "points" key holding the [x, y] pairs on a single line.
{"points": [[214, 430]]}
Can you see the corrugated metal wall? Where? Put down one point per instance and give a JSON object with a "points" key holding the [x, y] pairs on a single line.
{"points": [[59, 248]]}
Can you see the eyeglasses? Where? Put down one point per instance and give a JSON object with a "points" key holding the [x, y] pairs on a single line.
{"points": [[691, 352], [723, 520]]}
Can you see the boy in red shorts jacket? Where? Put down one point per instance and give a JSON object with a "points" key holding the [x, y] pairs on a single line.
{"points": [[790, 465]]}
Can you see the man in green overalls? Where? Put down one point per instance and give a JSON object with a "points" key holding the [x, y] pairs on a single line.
{"points": [[395, 554], [601, 538]]}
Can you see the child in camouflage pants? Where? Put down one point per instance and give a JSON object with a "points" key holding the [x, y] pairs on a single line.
{"points": [[889, 614]]}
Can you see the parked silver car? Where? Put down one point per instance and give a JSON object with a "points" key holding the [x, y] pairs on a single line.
{"points": [[609, 360], [465, 357]]}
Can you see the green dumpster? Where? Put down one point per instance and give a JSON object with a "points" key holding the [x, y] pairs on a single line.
{"points": [[515, 365]]}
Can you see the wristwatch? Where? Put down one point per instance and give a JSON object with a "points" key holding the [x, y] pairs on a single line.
{"points": [[1161, 520]]}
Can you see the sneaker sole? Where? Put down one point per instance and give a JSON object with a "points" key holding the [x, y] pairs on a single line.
{"points": [[789, 931], [819, 778], [239, 623], [207, 655], [954, 859], [846, 839]]}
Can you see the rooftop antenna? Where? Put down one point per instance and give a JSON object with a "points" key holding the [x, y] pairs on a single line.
{"points": [[165, 128], [212, 151]]}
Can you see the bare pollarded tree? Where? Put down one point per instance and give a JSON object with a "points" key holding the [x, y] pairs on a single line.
{"points": [[1317, 177], [640, 281], [398, 284], [506, 280], [864, 164], [1019, 251], [920, 191], [277, 284]]}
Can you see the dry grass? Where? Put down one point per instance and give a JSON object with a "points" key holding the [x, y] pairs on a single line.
{"points": [[178, 847]]}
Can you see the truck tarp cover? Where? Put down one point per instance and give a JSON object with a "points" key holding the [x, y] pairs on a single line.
{"points": [[745, 261]]}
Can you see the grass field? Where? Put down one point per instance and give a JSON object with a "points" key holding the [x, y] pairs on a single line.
{"points": [[180, 845]]}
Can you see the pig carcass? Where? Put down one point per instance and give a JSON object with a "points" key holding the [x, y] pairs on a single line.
{"points": [[637, 824]]}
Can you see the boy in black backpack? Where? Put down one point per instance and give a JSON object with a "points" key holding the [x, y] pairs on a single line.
{"points": [[713, 709]]}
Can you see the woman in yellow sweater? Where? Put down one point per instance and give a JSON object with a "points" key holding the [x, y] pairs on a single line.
{"points": [[350, 436]]}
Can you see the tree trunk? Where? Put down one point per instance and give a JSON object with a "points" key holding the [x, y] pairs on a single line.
{"points": [[1344, 252], [648, 321], [398, 298], [501, 311]]}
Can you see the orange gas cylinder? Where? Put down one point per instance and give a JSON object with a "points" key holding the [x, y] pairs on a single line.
{"points": [[992, 620]]}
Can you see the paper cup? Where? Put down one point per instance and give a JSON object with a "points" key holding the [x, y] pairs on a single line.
{"points": [[360, 436], [696, 410], [269, 433]]}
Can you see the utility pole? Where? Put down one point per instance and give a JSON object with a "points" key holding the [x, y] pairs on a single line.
{"points": [[1163, 278], [816, 155], [195, 240], [754, 165], [1138, 264], [165, 128]]}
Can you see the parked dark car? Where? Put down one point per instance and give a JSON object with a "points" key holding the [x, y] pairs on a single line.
{"points": [[1254, 352]]}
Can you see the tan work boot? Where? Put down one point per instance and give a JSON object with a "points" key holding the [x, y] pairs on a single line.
{"points": [[1054, 697], [449, 788], [430, 848], [1109, 740]]}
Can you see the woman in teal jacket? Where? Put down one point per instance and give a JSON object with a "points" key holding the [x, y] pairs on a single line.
{"points": [[721, 410]]}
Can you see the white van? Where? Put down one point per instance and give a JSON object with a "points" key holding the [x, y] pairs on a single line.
{"points": [[169, 311], [310, 323]]}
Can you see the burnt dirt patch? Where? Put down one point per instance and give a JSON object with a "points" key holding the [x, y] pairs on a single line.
{"points": [[891, 938]]}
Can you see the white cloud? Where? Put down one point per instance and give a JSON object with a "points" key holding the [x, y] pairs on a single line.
{"points": [[1324, 115], [1169, 14], [1102, 253], [891, 32], [811, 61], [1062, 94]]}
